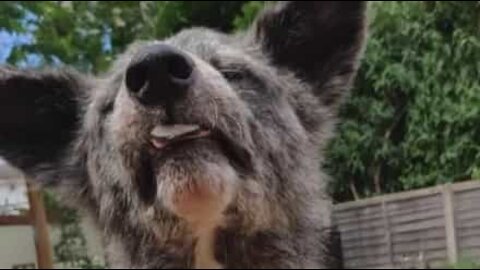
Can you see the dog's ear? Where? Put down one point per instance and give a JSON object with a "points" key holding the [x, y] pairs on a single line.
{"points": [[39, 116], [320, 41]]}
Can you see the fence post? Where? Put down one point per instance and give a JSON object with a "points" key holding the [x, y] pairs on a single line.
{"points": [[451, 237], [39, 221], [388, 234]]}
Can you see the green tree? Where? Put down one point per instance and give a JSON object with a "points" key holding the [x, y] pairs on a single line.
{"points": [[413, 118], [249, 12], [88, 34]]}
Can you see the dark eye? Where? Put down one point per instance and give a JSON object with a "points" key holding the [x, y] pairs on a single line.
{"points": [[233, 75]]}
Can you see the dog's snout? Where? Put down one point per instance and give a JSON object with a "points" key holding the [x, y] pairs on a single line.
{"points": [[159, 74]]}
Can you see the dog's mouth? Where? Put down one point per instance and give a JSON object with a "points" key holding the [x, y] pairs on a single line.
{"points": [[166, 141], [166, 136]]}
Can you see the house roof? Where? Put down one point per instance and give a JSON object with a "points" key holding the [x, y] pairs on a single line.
{"points": [[7, 171]]}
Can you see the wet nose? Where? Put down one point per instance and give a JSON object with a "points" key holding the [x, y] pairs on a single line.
{"points": [[159, 74]]}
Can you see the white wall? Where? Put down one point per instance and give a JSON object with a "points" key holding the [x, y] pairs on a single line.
{"points": [[13, 196], [16, 246]]}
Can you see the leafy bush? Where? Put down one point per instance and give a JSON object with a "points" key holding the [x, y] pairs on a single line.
{"points": [[413, 119], [71, 249]]}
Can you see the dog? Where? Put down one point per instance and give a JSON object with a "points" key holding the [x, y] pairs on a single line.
{"points": [[202, 150]]}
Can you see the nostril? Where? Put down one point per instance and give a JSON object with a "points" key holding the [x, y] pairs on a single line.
{"points": [[179, 67], [136, 77]]}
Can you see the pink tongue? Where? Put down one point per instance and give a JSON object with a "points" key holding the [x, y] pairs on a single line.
{"points": [[162, 136], [173, 131], [159, 143]]}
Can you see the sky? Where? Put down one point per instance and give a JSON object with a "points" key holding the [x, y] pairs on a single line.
{"points": [[6, 44], [8, 41]]}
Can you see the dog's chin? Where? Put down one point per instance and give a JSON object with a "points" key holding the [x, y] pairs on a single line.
{"points": [[197, 184], [194, 180]]}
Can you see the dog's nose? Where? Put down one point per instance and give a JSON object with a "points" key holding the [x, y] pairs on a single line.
{"points": [[159, 74]]}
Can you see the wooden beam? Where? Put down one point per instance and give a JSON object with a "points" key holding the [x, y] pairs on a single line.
{"points": [[407, 195], [388, 233], [39, 222], [14, 220], [450, 230]]}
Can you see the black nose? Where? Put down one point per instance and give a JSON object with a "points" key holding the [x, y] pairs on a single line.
{"points": [[159, 74]]}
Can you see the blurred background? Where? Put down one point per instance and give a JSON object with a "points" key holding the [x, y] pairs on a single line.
{"points": [[412, 121]]}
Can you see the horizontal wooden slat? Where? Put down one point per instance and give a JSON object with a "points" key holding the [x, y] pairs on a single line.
{"points": [[354, 235], [364, 242], [418, 209], [432, 200], [358, 212], [419, 226], [364, 253], [417, 217], [470, 246], [468, 232], [468, 195], [421, 246], [358, 218], [14, 220], [468, 225], [465, 204], [461, 217], [410, 195], [362, 226], [418, 235]]}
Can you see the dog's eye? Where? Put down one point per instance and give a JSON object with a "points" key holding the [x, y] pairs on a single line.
{"points": [[233, 75]]}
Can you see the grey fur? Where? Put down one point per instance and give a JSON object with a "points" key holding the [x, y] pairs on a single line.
{"points": [[270, 93]]}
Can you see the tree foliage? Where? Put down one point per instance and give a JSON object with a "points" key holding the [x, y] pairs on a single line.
{"points": [[88, 34], [413, 119], [71, 249]]}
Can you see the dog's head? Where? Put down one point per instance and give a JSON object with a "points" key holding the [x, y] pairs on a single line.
{"points": [[194, 123]]}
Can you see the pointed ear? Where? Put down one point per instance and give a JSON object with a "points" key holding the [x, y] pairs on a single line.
{"points": [[39, 116], [320, 41]]}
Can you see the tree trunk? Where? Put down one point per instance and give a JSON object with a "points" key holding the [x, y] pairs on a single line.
{"points": [[354, 191]]}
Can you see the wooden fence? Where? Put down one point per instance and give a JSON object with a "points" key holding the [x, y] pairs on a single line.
{"points": [[35, 216], [417, 229]]}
